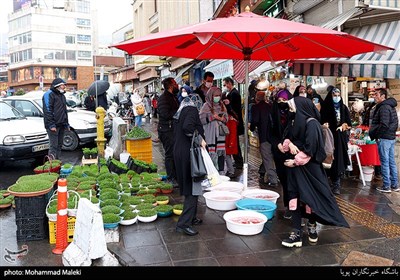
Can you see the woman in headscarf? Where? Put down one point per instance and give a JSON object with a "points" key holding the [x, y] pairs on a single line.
{"points": [[186, 122], [212, 114], [336, 115], [280, 120], [308, 187]]}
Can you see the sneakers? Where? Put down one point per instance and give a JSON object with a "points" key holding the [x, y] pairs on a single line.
{"points": [[312, 232], [383, 189], [287, 214], [294, 240], [395, 188]]}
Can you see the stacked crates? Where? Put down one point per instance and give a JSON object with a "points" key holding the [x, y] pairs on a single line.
{"points": [[30, 217], [140, 149]]}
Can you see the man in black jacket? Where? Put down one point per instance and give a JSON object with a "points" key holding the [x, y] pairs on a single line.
{"points": [[167, 106], [262, 120], [55, 116], [383, 128], [234, 101]]}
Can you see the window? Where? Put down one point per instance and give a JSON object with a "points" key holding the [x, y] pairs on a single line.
{"points": [[60, 55], [86, 54], [84, 38], [70, 39], [83, 21], [70, 55]]}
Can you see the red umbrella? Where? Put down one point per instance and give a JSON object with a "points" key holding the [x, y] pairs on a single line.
{"points": [[248, 36]]}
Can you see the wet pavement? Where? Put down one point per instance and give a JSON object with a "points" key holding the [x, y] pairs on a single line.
{"points": [[373, 217]]}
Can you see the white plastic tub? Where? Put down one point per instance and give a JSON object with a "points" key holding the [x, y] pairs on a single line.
{"points": [[227, 186], [245, 222], [261, 194], [221, 200]]}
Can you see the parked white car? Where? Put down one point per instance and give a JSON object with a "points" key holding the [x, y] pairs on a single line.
{"points": [[83, 123], [20, 137]]}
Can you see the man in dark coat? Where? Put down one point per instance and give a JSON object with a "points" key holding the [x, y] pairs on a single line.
{"points": [[383, 128], [90, 103], [186, 122], [55, 116], [262, 120], [234, 101], [201, 90], [167, 106]]}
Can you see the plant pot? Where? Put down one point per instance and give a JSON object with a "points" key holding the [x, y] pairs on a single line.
{"points": [[164, 214], [177, 211], [147, 219], [167, 191], [86, 156]]}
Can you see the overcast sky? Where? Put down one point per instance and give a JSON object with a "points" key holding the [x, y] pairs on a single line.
{"points": [[112, 15]]}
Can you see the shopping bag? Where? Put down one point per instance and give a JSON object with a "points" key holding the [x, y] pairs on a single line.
{"points": [[212, 173], [197, 166]]}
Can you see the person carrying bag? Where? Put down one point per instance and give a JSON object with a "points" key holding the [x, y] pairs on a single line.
{"points": [[198, 168]]}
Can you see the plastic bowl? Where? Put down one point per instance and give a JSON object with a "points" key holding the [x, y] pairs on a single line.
{"points": [[262, 206], [227, 186], [261, 194], [245, 222], [221, 200]]}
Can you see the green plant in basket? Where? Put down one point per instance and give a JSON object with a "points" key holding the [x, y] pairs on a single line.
{"points": [[178, 206], [147, 213], [67, 166], [137, 133], [110, 218], [52, 209], [128, 215], [164, 208], [110, 209]]}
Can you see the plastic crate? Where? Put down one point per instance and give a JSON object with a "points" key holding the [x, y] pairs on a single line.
{"points": [[31, 207], [140, 149], [70, 230], [31, 229]]}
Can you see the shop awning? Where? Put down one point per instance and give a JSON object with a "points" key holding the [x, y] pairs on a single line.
{"points": [[371, 64], [240, 71], [342, 18], [178, 77]]}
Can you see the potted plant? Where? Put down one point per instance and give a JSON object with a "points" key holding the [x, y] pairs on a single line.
{"points": [[164, 210], [166, 188], [128, 218], [153, 167], [111, 209], [162, 199], [177, 209], [93, 152], [111, 220], [147, 215], [86, 153]]}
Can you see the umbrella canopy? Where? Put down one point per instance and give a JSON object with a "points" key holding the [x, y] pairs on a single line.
{"points": [[98, 88], [248, 36]]}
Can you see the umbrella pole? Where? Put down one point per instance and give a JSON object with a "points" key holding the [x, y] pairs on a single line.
{"points": [[246, 136]]}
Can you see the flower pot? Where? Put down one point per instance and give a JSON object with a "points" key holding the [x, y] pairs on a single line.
{"points": [[147, 219], [165, 191], [177, 211]]}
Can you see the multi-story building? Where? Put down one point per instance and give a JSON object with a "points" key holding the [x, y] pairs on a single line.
{"points": [[49, 39]]}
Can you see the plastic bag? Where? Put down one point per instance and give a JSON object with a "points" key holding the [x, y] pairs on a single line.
{"points": [[212, 173]]}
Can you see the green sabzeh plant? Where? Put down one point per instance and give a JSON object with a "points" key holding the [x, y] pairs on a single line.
{"points": [[163, 208], [178, 206], [162, 198], [128, 215], [86, 152], [110, 209], [147, 213], [137, 133], [110, 218], [93, 152]]}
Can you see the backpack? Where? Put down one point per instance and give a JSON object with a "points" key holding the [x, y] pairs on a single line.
{"points": [[140, 109], [329, 145]]}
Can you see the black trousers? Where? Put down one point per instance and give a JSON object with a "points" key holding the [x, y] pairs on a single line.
{"points": [[189, 211], [167, 140], [56, 141], [238, 158]]}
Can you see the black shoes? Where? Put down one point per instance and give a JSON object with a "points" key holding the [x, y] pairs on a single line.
{"points": [[187, 230], [230, 175], [294, 240], [196, 221]]}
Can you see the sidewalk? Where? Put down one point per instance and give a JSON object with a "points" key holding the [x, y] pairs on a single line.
{"points": [[373, 217]]}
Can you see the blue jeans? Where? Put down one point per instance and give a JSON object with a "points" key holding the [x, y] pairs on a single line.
{"points": [[138, 120], [388, 163]]}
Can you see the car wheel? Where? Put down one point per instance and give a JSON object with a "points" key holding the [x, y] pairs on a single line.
{"points": [[71, 141]]}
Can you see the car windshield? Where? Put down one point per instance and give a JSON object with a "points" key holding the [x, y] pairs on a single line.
{"points": [[8, 112], [39, 102]]}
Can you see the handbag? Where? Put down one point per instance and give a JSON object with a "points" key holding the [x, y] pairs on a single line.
{"points": [[223, 129], [197, 166], [140, 109]]}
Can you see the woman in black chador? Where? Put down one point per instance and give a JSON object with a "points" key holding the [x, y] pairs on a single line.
{"points": [[187, 120], [336, 114], [308, 188]]}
